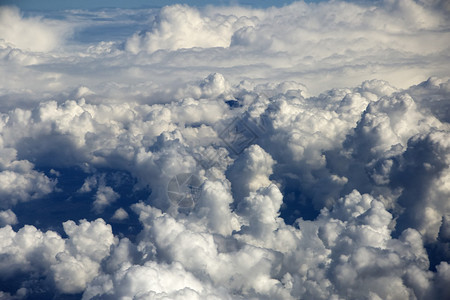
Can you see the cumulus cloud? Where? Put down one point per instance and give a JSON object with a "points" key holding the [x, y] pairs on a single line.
{"points": [[7, 217], [311, 141], [19, 182], [343, 250], [29, 33], [157, 281], [120, 214], [329, 45], [67, 263], [307, 146], [181, 26], [105, 196]]}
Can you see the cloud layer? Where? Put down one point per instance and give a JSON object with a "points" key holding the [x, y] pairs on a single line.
{"points": [[311, 141]]}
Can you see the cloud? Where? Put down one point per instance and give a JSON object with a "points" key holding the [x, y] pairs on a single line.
{"points": [[87, 245], [237, 216], [68, 263], [119, 52], [120, 214], [29, 33], [7, 217], [19, 182], [357, 226], [310, 142], [158, 281], [180, 26], [369, 38], [105, 196], [350, 245]]}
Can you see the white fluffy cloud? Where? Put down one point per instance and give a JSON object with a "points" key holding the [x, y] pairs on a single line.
{"points": [[120, 214], [69, 263], [313, 148], [327, 44], [181, 26], [19, 182], [29, 33], [310, 140], [7, 217]]}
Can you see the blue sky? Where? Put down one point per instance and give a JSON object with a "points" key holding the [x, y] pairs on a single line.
{"points": [[89, 4]]}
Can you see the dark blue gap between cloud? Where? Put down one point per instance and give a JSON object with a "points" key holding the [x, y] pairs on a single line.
{"points": [[50, 212]]}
